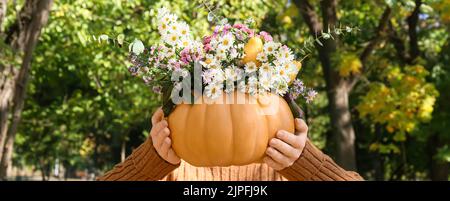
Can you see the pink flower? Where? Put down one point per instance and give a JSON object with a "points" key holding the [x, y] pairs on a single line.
{"points": [[239, 26], [207, 47], [266, 36], [206, 40]]}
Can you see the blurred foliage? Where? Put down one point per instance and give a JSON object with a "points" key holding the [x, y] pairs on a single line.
{"points": [[82, 105]]}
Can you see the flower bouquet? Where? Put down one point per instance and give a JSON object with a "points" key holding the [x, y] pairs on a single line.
{"points": [[226, 96]]}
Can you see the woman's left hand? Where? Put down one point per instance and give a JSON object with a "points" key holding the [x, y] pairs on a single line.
{"points": [[286, 147]]}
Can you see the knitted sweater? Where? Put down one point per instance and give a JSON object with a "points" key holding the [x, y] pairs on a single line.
{"points": [[146, 165]]}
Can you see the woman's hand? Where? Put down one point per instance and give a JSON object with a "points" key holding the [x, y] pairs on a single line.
{"points": [[160, 138], [286, 147]]}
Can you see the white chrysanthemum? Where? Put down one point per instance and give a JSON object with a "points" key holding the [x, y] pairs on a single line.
{"points": [[265, 69], [227, 40], [214, 42], [221, 53], [229, 87], [183, 29], [262, 57], [270, 47], [171, 39], [175, 28], [163, 29], [250, 67], [184, 43], [283, 73], [213, 90], [230, 74], [284, 55], [233, 53], [168, 18], [209, 61], [280, 85], [242, 87], [265, 83], [219, 75], [252, 81]]}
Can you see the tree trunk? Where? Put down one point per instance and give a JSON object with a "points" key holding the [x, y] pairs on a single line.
{"points": [[3, 5], [337, 87], [23, 37], [123, 150], [439, 170]]}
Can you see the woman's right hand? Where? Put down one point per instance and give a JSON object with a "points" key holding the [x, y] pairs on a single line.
{"points": [[160, 137]]}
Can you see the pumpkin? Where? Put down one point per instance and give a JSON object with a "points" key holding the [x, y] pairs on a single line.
{"points": [[251, 49], [221, 134]]}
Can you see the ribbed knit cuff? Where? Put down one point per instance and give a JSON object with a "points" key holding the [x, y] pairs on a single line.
{"points": [[144, 164], [313, 165]]}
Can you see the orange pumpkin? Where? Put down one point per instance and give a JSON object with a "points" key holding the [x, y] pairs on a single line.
{"points": [[218, 134]]}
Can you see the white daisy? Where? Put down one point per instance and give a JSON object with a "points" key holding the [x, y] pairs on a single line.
{"points": [[285, 55], [265, 69], [171, 39], [227, 40], [184, 42], [262, 57], [264, 83], [229, 87], [233, 53], [209, 61], [270, 47], [280, 85], [250, 67], [163, 28], [213, 91], [184, 29], [230, 74], [221, 53], [283, 73]]}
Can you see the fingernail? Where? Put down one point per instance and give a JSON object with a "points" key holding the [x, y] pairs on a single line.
{"points": [[272, 142], [280, 134]]}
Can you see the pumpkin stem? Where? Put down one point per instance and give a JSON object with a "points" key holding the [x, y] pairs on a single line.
{"points": [[295, 108]]}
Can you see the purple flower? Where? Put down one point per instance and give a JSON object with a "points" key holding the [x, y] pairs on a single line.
{"points": [[133, 70], [310, 96], [157, 89], [147, 79]]}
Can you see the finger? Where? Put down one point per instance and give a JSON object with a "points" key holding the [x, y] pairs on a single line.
{"points": [[157, 116], [289, 138], [158, 127], [165, 147], [272, 163], [278, 157], [158, 139], [300, 126], [285, 148], [172, 157]]}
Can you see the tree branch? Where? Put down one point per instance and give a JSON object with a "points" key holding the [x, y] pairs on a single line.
{"points": [[381, 28], [382, 25], [413, 21], [309, 15], [398, 43]]}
